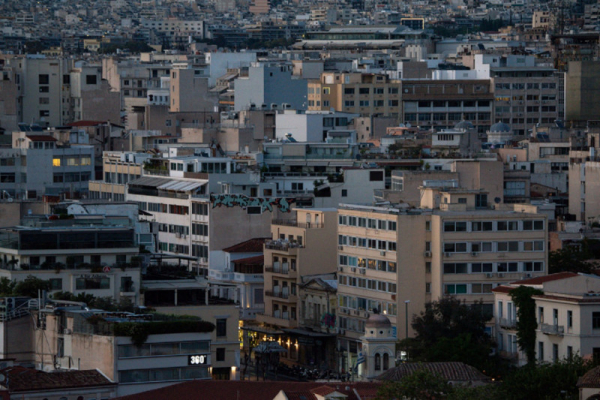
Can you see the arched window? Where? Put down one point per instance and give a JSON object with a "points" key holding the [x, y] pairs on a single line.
{"points": [[377, 362], [386, 361]]}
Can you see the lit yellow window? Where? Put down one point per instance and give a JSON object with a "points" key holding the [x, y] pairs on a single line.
{"points": [[56, 162]]}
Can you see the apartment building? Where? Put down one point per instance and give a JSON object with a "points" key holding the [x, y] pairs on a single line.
{"points": [[71, 341], [79, 255], [355, 92], [567, 314], [441, 104], [311, 126], [261, 89], [37, 164], [396, 260], [301, 245], [584, 175], [185, 214], [525, 94]]}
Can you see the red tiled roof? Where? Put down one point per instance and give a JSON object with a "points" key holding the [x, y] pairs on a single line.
{"points": [[86, 123], [249, 390], [41, 138], [590, 379], [28, 379], [502, 289], [256, 260], [323, 390], [543, 279], [249, 246], [299, 395], [450, 371]]}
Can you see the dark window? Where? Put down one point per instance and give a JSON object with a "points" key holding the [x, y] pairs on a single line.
{"points": [[44, 79], [90, 79], [344, 193], [254, 210], [220, 354], [596, 320], [66, 79], [221, 327], [376, 176]]}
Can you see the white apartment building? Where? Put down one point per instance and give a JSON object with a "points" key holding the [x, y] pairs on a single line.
{"points": [[38, 164], [567, 313]]}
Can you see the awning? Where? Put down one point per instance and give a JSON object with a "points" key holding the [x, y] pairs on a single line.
{"points": [[182, 186], [304, 332]]}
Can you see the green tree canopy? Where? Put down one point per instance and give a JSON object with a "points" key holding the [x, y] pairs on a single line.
{"points": [[449, 330], [420, 385]]}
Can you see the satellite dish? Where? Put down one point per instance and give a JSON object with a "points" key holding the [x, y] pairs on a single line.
{"points": [[10, 199], [497, 200]]}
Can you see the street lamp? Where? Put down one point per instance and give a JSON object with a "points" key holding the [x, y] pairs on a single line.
{"points": [[406, 302]]}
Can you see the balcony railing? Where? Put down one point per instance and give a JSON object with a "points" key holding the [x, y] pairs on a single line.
{"points": [[281, 245], [557, 330], [293, 222], [279, 295], [508, 323], [277, 270]]}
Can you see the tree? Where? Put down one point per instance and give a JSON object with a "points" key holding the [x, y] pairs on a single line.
{"points": [[545, 381], [7, 287], [420, 385], [449, 330], [31, 286], [526, 322], [568, 259]]}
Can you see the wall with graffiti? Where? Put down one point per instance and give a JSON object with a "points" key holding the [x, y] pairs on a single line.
{"points": [[284, 204]]}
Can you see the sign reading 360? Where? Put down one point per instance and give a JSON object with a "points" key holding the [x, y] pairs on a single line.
{"points": [[197, 359]]}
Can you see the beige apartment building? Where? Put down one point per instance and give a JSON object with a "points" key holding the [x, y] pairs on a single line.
{"points": [[355, 92], [584, 179], [396, 260], [301, 246]]}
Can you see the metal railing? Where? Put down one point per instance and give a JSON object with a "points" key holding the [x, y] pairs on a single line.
{"points": [[279, 295], [557, 330], [281, 245], [508, 323]]}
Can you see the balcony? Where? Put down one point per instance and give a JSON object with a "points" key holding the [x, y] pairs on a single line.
{"points": [[283, 245], [293, 222], [278, 294], [277, 319], [241, 277], [555, 330], [281, 270], [508, 323], [127, 291]]}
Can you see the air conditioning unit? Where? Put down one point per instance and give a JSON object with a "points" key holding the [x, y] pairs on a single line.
{"points": [[382, 253], [353, 269], [340, 247], [67, 332], [448, 254], [501, 275], [341, 269], [474, 253], [527, 275], [363, 271], [427, 254], [489, 275], [178, 235]]}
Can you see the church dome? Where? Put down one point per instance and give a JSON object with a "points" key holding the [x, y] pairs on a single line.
{"points": [[464, 125], [378, 321], [500, 127]]}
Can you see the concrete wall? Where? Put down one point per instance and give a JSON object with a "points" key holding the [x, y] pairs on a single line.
{"points": [[582, 87]]}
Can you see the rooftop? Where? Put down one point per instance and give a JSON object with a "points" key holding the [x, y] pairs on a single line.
{"points": [[248, 390], [450, 371], [254, 245], [21, 379]]}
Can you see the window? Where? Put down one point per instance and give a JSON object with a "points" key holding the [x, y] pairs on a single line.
{"points": [[569, 319], [348, 90], [596, 320], [92, 283], [479, 226], [91, 79], [386, 362], [540, 351], [364, 91], [344, 192], [56, 162], [44, 79], [428, 226], [377, 362], [455, 226], [220, 354], [458, 288], [55, 284], [221, 327], [455, 247]]}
